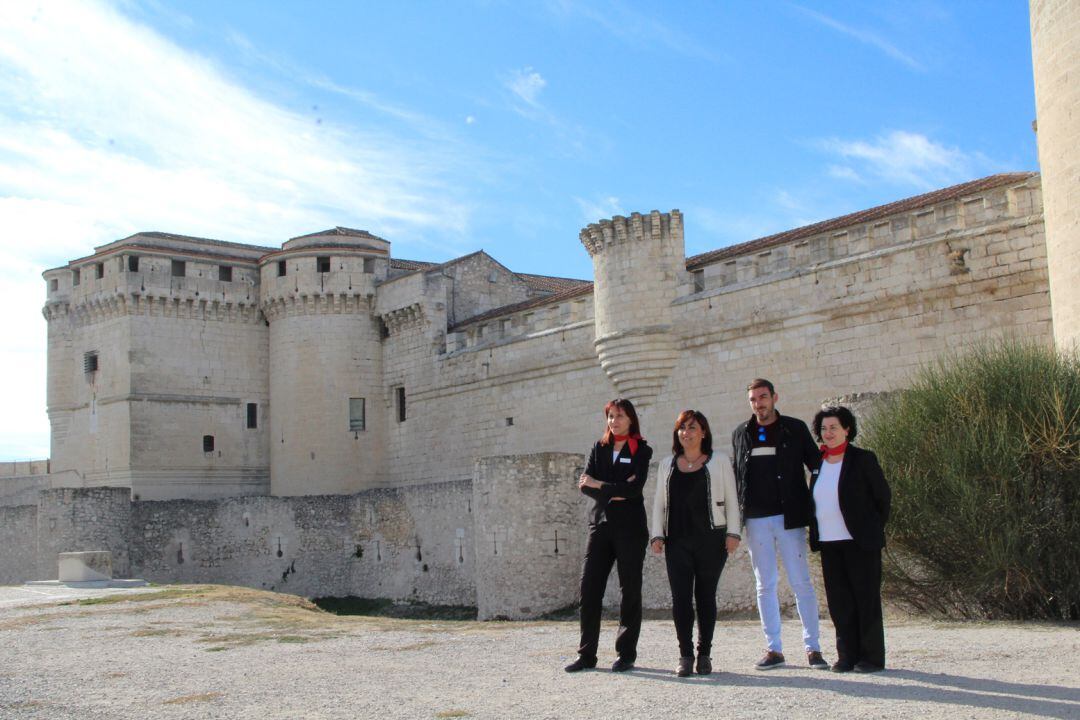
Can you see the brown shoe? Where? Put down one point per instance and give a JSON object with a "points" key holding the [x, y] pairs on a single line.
{"points": [[770, 661], [816, 661]]}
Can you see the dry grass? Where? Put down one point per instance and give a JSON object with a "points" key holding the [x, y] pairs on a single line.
{"points": [[185, 699]]}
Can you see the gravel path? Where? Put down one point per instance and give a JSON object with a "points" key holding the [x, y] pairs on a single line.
{"points": [[232, 653]]}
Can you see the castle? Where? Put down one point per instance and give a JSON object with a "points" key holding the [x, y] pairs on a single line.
{"points": [[210, 400]]}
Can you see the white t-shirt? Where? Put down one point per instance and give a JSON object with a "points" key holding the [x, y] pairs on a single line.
{"points": [[831, 525]]}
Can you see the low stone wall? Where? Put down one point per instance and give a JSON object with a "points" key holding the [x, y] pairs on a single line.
{"points": [[18, 532], [409, 543]]}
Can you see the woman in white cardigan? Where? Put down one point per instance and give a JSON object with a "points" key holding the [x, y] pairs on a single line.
{"points": [[695, 524]]}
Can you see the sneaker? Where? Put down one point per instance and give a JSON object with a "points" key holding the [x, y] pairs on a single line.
{"points": [[686, 666], [580, 664], [772, 659], [866, 667], [816, 661], [622, 665], [704, 665]]}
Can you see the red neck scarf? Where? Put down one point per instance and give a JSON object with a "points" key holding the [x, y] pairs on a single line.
{"points": [[827, 451], [631, 440]]}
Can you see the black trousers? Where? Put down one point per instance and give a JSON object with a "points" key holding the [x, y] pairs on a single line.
{"points": [[853, 589], [623, 546], [694, 565]]}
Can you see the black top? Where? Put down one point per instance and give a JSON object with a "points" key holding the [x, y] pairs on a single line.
{"points": [[688, 504], [622, 477], [865, 499], [795, 454], [763, 490]]}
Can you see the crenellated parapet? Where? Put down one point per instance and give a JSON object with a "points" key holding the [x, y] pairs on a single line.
{"points": [[619, 230], [107, 307], [638, 263], [274, 308], [401, 319]]}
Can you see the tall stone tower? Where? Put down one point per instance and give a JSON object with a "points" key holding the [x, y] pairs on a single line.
{"points": [[1055, 46], [637, 262], [326, 429]]}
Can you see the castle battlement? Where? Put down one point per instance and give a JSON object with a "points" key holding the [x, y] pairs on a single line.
{"points": [[962, 211]]}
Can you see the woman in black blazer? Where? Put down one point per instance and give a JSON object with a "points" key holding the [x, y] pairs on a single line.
{"points": [[614, 477], [851, 505]]}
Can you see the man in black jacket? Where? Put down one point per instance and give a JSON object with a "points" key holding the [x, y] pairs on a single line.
{"points": [[770, 452]]}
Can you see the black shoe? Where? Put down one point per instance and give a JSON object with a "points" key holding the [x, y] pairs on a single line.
{"points": [[770, 660], [686, 666], [704, 665], [867, 667], [580, 664], [622, 665], [816, 661], [842, 666]]}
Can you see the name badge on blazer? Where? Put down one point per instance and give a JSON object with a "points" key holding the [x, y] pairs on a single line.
{"points": [[625, 460]]}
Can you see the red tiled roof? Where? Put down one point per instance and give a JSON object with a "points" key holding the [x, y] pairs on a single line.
{"points": [[583, 289], [550, 283], [856, 218]]}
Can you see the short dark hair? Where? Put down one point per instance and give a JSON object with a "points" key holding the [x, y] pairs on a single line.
{"points": [[845, 417], [761, 382], [627, 407], [706, 439]]}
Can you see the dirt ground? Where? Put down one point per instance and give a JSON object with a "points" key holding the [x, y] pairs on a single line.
{"points": [[219, 652]]}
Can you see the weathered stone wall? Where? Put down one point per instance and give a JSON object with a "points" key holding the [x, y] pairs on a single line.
{"points": [[18, 530], [20, 481], [79, 519], [412, 543], [1055, 50]]}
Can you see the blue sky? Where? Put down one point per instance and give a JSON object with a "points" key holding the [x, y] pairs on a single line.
{"points": [[451, 126]]}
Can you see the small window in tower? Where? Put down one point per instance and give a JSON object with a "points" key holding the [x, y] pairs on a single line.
{"points": [[90, 361], [54, 285], [369, 265], [133, 263], [322, 264], [493, 276], [400, 404], [224, 273], [99, 270], [356, 414], [699, 280], [207, 443], [252, 416], [281, 268], [179, 268], [75, 277]]}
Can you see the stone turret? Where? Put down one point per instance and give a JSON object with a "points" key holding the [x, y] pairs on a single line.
{"points": [[1055, 45], [326, 434], [637, 264]]}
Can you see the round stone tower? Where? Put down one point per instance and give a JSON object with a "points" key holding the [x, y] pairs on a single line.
{"points": [[326, 397], [637, 263], [1055, 46]]}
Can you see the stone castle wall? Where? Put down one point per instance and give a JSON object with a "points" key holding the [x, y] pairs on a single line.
{"points": [[407, 544], [1055, 51]]}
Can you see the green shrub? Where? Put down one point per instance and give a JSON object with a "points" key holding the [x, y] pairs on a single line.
{"points": [[983, 456]]}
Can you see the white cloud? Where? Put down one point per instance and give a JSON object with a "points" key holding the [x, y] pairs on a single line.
{"points": [[640, 30], [904, 158], [526, 84], [866, 37], [470, 119], [843, 172], [107, 128], [599, 209]]}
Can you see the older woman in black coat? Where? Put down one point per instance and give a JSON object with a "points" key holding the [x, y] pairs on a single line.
{"points": [[851, 505]]}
